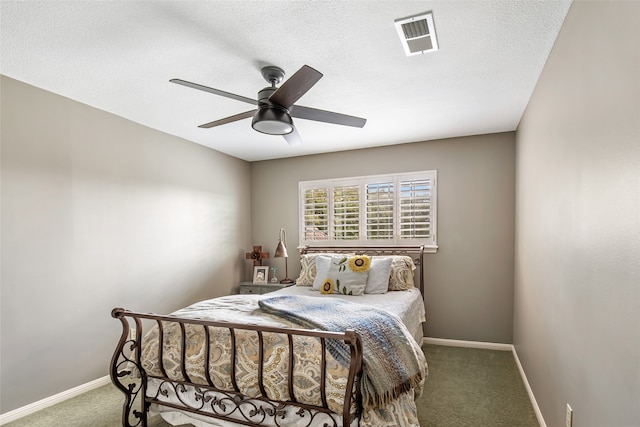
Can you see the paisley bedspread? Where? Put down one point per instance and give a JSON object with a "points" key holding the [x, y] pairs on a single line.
{"points": [[307, 353]]}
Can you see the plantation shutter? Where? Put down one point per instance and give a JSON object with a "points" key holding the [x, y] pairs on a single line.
{"points": [[415, 208], [316, 214], [391, 209], [379, 213], [346, 212]]}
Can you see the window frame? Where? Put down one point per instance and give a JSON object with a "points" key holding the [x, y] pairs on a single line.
{"points": [[430, 243]]}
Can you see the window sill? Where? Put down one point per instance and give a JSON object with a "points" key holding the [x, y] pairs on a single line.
{"points": [[428, 249]]}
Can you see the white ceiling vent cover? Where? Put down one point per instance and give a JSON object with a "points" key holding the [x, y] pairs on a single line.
{"points": [[417, 34]]}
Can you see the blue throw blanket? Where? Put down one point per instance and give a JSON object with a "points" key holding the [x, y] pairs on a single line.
{"points": [[393, 363]]}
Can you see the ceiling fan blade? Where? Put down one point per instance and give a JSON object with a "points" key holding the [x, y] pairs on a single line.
{"points": [[301, 112], [214, 91], [229, 119], [293, 138], [295, 86]]}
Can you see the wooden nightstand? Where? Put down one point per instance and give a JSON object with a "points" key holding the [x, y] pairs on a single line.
{"points": [[250, 288]]}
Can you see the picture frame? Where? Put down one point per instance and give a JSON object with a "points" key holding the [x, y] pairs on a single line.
{"points": [[260, 274]]}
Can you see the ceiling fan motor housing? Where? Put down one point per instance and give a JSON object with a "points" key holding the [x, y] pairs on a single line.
{"points": [[264, 94]]}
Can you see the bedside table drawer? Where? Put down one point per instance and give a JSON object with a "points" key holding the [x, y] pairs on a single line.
{"points": [[250, 288], [254, 289]]}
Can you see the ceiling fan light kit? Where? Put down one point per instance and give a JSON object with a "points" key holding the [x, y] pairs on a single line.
{"points": [[272, 120], [276, 104]]}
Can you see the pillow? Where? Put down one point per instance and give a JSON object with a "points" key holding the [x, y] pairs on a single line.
{"points": [[308, 268], [323, 263], [379, 272], [347, 275], [401, 277]]}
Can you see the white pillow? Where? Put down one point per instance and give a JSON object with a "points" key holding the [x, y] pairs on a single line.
{"points": [[323, 263], [379, 272]]}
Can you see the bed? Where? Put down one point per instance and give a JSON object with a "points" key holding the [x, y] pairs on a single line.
{"points": [[326, 351]]}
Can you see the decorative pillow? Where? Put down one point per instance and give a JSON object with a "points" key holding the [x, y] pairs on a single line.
{"points": [[323, 263], [378, 279], [306, 277], [401, 277], [308, 268], [347, 275]]}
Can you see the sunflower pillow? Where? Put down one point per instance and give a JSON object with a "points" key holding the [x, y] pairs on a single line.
{"points": [[347, 275], [308, 269]]}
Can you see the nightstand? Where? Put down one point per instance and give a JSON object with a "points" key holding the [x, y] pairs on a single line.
{"points": [[250, 288]]}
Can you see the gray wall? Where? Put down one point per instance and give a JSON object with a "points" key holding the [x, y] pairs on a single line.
{"points": [[469, 281], [577, 286], [99, 212]]}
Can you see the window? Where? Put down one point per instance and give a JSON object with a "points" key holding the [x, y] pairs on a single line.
{"points": [[381, 209]]}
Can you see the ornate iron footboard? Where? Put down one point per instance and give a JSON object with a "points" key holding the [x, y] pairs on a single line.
{"points": [[128, 374]]}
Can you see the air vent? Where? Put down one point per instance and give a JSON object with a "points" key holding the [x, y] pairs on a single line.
{"points": [[417, 34]]}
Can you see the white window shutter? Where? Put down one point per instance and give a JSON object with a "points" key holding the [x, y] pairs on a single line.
{"points": [[316, 214], [380, 210], [415, 208], [346, 212]]}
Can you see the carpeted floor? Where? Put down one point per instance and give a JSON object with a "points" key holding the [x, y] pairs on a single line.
{"points": [[473, 387], [466, 387]]}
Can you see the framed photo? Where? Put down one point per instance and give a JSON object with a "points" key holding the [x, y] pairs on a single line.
{"points": [[260, 274]]}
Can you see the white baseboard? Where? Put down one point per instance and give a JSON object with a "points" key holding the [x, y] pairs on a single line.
{"points": [[494, 346], [468, 344], [52, 400], [532, 398]]}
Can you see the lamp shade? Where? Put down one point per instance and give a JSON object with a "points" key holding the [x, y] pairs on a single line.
{"points": [[281, 249], [272, 120]]}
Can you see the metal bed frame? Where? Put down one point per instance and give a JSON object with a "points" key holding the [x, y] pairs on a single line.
{"points": [[128, 374], [125, 369]]}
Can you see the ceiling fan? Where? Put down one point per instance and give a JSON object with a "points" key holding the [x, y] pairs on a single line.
{"points": [[276, 104]]}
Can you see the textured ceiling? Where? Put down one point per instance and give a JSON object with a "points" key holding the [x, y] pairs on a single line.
{"points": [[119, 56]]}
